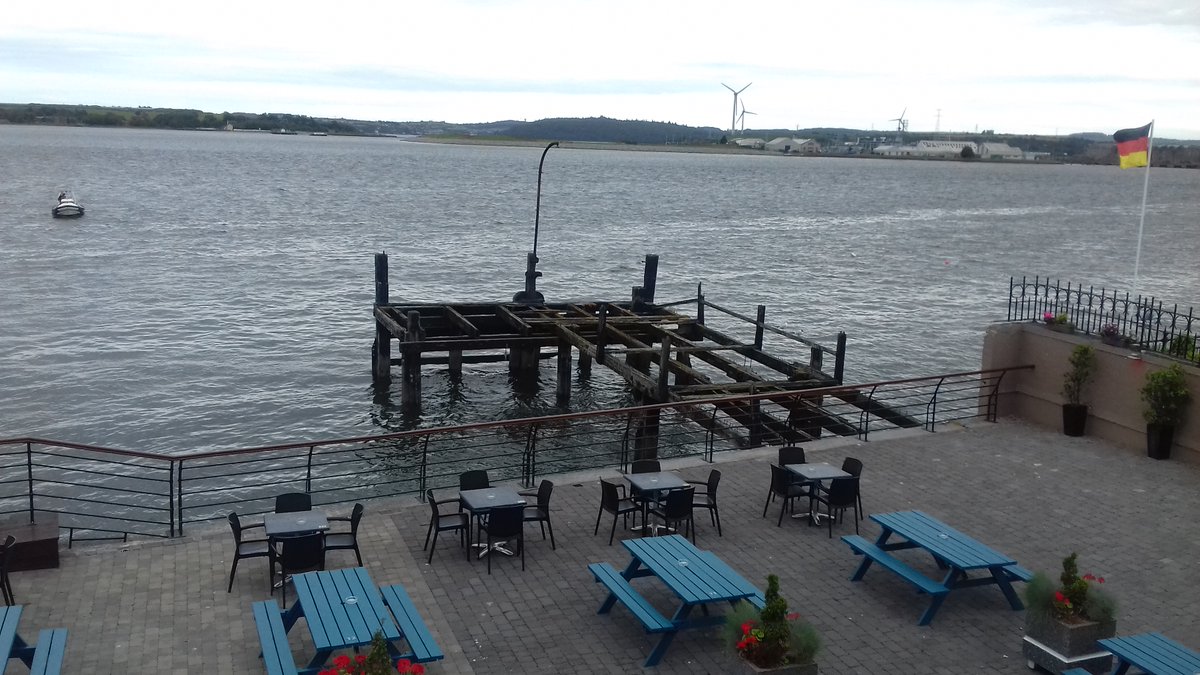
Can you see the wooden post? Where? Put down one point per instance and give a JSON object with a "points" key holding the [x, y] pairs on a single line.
{"points": [[585, 365], [381, 351], [758, 326], [650, 278], [680, 377], [563, 394], [664, 371], [839, 362], [699, 305], [524, 359], [455, 362], [410, 385], [600, 333], [816, 359]]}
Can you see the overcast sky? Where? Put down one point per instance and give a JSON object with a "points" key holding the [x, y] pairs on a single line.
{"points": [[1015, 66]]}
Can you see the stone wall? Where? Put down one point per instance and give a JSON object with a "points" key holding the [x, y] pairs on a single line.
{"points": [[1115, 405]]}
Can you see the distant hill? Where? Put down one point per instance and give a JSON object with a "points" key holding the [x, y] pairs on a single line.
{"points": [[1087, 147]]}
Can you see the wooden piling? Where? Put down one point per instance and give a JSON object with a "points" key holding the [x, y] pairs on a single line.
{"points": [[603, 323], [664, 370], [563, 392], [381, 351], [650, 278], [758, 326], [455, 362], [410, 370]]}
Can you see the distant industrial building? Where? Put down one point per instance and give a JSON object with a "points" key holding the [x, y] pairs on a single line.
{"points": [[794, 146]]}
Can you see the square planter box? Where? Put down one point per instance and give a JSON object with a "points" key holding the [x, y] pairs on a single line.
{"points": [[1057, 646]]}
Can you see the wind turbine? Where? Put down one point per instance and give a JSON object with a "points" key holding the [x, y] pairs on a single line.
{"points": [[742, 117], [733, 119], [901, 123]]}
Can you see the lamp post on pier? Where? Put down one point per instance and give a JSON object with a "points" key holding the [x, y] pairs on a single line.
{"points": [[531, 296]]}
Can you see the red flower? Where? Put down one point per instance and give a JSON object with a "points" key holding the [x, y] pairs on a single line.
{"points": [[417, 669], [360, 659], [1100, 579], [746, 627], [1059, 597], [1089, 577], [793, 616]]}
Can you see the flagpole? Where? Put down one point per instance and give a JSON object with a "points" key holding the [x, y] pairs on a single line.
{"points": [[1142, 221]]}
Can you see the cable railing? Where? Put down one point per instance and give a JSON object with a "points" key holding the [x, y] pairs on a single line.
{"points": [[1144, 321], [105, 493]]}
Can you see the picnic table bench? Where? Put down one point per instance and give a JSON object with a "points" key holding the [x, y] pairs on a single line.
{"points": [[952, 550], [44, 658], [1154, 653], [698, 578]]}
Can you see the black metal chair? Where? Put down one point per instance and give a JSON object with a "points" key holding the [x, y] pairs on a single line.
{"points": [[346, 541], [791, 454], [854, 467], [444, 522], [842, 494], [6, 585], [783, 486], [706, 498], [246, 548], [675, 510], [475, 479], [304, 553], [540, 513], [614, 501], [502, 524], [645, 466], [291, 502]]}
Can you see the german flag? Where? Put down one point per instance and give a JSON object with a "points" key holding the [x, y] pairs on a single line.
{"points": [[1133, 146]]}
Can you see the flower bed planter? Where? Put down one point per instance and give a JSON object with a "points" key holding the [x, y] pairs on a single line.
{"points": [[1113, 340], [1061, 327], [1057, 646], [790, 669]]}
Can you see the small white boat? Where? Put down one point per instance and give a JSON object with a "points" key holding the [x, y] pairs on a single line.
{"points": [[66, 207]]}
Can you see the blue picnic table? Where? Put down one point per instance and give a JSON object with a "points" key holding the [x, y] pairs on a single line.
{"points": [[342, 609], [953, 551], [696, 577], [1154, 653], [44, 658]]}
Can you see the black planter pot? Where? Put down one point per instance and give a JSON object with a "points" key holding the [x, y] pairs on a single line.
{"points": [[1159, 438], [1074, 418]]}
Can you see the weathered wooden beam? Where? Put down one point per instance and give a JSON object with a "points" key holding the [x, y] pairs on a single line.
{"points": [[392, 325], [512, 319], [758, 386], [461, 321], [757, 355], [725, 365], [763, 325], [635, 345], [494, 342], [638, 380]]}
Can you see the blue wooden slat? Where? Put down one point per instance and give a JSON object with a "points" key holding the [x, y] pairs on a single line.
{"points": [[412, 626], [9, 618], [941, 540], [51, 648], [1155, 653], [650, 618], [894, 564], [276, 654]]}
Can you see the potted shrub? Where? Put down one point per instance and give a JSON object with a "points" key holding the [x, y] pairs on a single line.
{"points": [[1110, 334], [1074, 411], [772, 640], [1063, 622], [1166, 396], [1058, 322]]}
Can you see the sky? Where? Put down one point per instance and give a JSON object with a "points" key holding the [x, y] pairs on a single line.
{"points": [[1013, 66]]}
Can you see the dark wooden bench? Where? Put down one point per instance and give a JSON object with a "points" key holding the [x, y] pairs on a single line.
{"points": [[897, 566], [48, 655], [276, 654], [620, 589], [408, 619]]}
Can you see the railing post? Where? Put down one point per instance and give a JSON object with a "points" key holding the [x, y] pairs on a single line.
{"points": [[308, 472], [529, 461], [602, 322], [179, 495], [29, 474], [931, 407], [423, 481], [171, 494]]}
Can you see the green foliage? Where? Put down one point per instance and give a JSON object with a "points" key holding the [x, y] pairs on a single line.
{"points": [[772, 636], [1166, 396], [1083, 366], [1075, 598], [1183, 346]]}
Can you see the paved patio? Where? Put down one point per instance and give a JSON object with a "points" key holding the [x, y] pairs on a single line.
{"points": [[1036, 495]]}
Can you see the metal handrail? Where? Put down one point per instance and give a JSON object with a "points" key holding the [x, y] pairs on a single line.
{"points": [[156, 495]]}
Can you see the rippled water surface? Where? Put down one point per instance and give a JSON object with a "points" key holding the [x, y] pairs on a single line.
{"points": [[218, 292]]}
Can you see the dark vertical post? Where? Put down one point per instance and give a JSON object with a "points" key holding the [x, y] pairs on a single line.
{"points": [[758, 326], [839, 362], [638, 301], [650, 278], [600, 332], [699, 305], [381, 353], [455, 363], [564, 372], [410, 386], [756, 425], [664, 369], [816, 359], [686, 359]]}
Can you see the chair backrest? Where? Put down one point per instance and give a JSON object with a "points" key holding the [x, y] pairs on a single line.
{"points": [[645, 466], [356, 515], [610, 497], [290, 502], [5, 549], [545, 488], [475, 479], [505, 521], [714, 479], [433, 505], [852, 466], [780, 479], [235, 524], [303, 553], [679, 502], [843, 491], [791, 454]]}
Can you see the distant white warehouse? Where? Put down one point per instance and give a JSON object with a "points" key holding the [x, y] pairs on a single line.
{"points": [[927, 149], [794, 146]]}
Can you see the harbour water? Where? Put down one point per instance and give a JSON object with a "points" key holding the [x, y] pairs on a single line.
{"points": [[218, 292]]}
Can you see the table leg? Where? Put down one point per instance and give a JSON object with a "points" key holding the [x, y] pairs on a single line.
{"points": [[1001, 578], [935, 603], [1122, 666], [21, 650], [865, 565]]}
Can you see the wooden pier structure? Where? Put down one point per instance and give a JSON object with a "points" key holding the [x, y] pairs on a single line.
{"points": [[664, 356]]}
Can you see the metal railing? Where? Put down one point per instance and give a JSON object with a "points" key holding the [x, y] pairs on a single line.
{"points": [[121, 492], [1145, 321]]}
